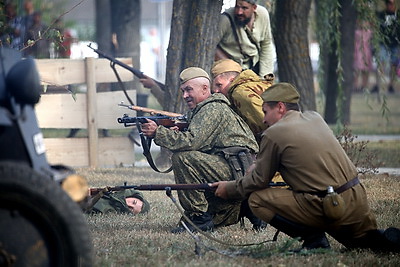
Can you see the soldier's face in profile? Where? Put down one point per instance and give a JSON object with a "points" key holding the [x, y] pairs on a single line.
{"points": [[221, 84], [134, 204]]}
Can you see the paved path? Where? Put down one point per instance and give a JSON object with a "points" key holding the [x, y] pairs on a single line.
{"points": [[375, 138]]}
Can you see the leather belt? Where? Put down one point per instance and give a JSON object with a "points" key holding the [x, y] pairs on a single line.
{"points": [[348, 185], [340, 189]]}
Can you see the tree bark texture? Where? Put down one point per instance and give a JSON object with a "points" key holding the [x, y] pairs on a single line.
{"points": [[192, 44], [292, 48]]}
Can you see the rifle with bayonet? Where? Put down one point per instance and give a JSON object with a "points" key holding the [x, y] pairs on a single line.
{"points": [[113, 60]]}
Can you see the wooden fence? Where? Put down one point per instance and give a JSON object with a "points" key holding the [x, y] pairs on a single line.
{"points": [[91, 111]]}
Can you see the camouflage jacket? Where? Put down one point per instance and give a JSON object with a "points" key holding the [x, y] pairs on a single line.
{"points": [[245, 97], [213, 126]]}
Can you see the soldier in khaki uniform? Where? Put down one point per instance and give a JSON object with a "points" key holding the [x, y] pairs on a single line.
{"points": [[243, 89], [198, 153], [309, 161]]}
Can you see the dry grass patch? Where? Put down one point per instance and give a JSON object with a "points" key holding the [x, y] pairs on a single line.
{"points": [[145, 240]]}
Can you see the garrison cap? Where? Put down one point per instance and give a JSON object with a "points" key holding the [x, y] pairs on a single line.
{"points": [[281, 92], [136, 194], [191, 73], [225, 65]]}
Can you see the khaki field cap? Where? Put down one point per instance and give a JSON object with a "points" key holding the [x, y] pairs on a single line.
{"points": [[281, 92], [225, 65], [191, 73]]}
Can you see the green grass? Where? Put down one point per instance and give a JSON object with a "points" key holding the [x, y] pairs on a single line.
{"points": [[373, 114], [145, 240], [387, 153]]}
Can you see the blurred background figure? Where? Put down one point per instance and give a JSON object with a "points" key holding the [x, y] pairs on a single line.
{"points": [[40, 47], [27, 19], [362, 56], [13, 30], [388, 54]]}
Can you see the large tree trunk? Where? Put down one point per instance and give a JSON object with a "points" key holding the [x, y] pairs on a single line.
{"points": [[192, 43], [292, 48]]}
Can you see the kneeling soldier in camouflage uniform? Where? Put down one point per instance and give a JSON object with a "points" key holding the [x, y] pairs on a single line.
{"points": [[198, 153]]}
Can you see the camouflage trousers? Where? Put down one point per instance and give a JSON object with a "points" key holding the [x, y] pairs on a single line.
{"points": [[192, 167]]}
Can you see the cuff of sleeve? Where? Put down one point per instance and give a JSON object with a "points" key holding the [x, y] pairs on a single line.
{"points": [[231, 190]]}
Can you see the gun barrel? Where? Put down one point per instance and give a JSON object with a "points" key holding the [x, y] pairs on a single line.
{"points": [[160, 187], [136, 72]]}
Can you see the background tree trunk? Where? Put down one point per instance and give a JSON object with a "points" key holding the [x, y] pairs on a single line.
{"points": [[192, 43], [126, 25], [347, 28], [338, 66], [103, 25], [292, 48]]}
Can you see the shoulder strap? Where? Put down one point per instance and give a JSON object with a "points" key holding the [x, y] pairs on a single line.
{"points": [[234, 31], [146, 144]]}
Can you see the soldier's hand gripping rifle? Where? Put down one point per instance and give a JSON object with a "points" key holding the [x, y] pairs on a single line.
{"points": [[164, 118], [167, 119]]}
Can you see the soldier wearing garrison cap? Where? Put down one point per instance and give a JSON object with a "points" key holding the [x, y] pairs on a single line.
{"points": [[198, 152], [302, 147], [243, 89]]}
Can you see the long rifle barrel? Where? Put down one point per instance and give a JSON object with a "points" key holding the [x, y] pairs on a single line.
{"points": [[161, 187], [136, 72]]}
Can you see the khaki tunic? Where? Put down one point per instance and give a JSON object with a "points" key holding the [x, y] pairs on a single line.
{"points": [[245, 97], [262, 35], [304, 150], [196, 155]]}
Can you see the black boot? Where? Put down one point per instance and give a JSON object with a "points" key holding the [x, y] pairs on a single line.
{"points": [[312, 238], [377, 240], [245, 211], [203, 222]]}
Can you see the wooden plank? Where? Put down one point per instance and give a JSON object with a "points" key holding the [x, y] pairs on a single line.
{"points": [[113, 151], [60, 111], [116, 152], [91, 100], [67, 151], [59, 72]]}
